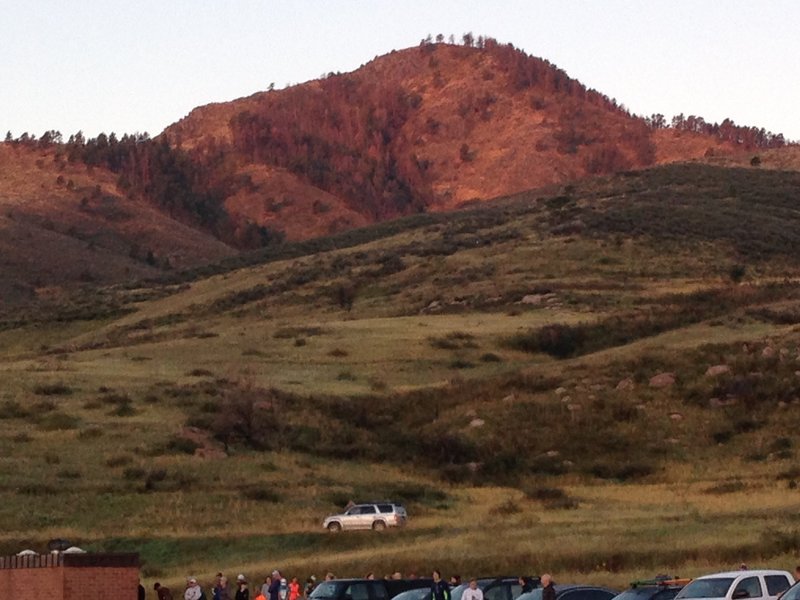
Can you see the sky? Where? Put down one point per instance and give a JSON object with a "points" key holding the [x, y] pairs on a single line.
{"points": [[136, 66]]}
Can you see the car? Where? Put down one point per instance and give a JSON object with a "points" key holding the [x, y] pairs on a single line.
{"points": [[373, 515], [367, 589], [660, 588], [573, 592], [738, 585], [496, 588], [793, 593]]}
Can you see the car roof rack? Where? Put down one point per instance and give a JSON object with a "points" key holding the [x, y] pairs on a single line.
{"points": [[660, 580]]}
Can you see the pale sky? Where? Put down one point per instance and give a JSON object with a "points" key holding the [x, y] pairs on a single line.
{"points": [[139, 65]]}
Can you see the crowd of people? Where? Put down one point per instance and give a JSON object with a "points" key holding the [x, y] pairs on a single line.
{"points": [[278, 587]]}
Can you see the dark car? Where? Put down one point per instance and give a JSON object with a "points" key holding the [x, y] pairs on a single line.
{"points": [[660, 588], [573, 592], [367, 589], [494, 588], [498, 588]]}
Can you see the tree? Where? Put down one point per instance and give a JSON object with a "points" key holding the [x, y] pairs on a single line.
{"points": [[439, 38], [737, 272], [468, 39], [9, 137]]}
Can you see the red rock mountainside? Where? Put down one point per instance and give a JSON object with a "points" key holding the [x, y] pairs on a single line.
{"points": [[426, 128]]}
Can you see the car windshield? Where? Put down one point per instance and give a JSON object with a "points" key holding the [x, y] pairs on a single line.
{"points": [[326, 590], [793, 593], [533, 595], [419, 594], [712, 587], [642, 593], [458, 591]]}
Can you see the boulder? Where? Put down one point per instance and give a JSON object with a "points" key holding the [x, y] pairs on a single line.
{"points": [[716, 370], [768, 352], [662, 380], [676, 416], [532, 299], [477, 423], [625, 385]]}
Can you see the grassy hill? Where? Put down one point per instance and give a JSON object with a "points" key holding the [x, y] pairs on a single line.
{"points": [[533, 377]]}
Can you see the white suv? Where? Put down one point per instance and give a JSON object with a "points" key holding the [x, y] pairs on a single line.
{"points": [[377, 516], [738, 585]]}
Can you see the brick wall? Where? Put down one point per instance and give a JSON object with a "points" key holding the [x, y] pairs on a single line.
{"points": [[70, 577]]}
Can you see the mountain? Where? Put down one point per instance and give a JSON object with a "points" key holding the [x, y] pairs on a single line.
{"points": [[422, 129], [64, 224], [426, 129]]}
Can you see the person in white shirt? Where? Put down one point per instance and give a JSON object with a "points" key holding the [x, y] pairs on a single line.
{"points": [[193, 591], [473, 592]]}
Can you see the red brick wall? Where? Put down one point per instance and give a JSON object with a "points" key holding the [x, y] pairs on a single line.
{"points": [[69, 583], [100, 583], [32, 584]]}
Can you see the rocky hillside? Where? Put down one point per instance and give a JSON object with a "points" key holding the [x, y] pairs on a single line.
{"points": [[422, 129], [64, 224]]}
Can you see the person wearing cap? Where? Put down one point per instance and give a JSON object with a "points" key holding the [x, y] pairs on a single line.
{"points": [[242, 591], [193, 591]]}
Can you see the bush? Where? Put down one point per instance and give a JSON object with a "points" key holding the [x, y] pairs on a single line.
{"points": [[261, 494], [90, 433], [490, 357], [622, 471], [182, 445], [53, 389], [119, 460], [58, 421]]}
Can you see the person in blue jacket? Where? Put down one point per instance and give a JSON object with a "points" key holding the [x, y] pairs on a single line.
{"points": [[440, 590]]}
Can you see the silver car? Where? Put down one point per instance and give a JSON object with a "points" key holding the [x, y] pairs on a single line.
{"points": [[377, 516]]}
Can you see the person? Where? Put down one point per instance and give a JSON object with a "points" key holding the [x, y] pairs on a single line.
{"points": [[397, 575], [526, 585], [193, 590], [215, 587], [222, 589], [440, 590], [311, 583], [370, 576], [260, 594], [329, 576], [142, 593], [265, 586], [473, 592], [162, 592], [242, 590], [455, 581], [548, 590], [275, 587], [294, 589], [283, 591], [797, 573]]}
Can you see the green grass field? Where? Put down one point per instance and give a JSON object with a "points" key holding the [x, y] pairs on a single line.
{"points": [[490, 369]]}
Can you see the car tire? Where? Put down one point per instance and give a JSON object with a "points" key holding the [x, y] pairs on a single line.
{"points": [[334, 527], [379, 526]]}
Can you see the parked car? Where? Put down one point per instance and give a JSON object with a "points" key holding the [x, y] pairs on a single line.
{"points": [[738, 585], [573, 592], [660, 588], [793, 593], [373, 515], [367, 589], [496, 588]]}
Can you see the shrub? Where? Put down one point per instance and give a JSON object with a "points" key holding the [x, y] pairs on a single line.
{"points": [[90, 433], [261, 494], [119, 461], [507, 508], [490, 357], [338, 353], [726, 487], [123, 410], [621, 471], [182, 445], [69, 474], [22, 438], [11, 409], [53, 389], [57, 421], [133, 473], [200, 373]]}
